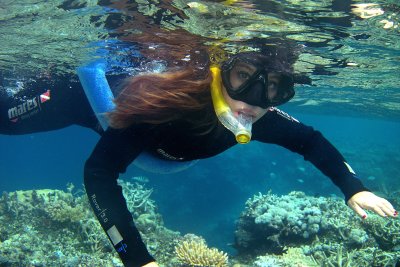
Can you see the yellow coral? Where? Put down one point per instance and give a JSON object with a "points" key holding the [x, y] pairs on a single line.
{"points": [[196, 253]]}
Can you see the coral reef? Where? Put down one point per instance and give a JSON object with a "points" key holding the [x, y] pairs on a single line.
{"points": [[337, 255], [275, 222], [160, 240], [58, 228], [292, 257], [384, 232], [193, 251], [137, 198], [322, 230], [51, 227], [333, 256]]}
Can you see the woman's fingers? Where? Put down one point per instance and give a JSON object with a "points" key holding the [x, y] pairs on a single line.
{"points": [[392, 211], [368, 201], [378, 210], [387, 208], [357, 209]]}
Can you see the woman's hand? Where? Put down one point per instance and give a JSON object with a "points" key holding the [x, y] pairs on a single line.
{"points": [[365, 200], [151, 264]]}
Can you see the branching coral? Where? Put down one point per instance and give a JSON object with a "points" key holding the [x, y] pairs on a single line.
{"points": [[196, 253], [138, 198], [339, 256], [385, 231], [94, 237]]}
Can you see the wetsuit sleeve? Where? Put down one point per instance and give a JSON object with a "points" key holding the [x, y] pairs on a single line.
{"points": [[111, 156], [279, 128]]}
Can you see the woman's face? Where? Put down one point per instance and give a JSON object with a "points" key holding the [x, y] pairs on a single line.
{"points": [[240, 74], [241, 107]]}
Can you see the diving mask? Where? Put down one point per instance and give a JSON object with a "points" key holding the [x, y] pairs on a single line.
{"points": [[248, 77], [241, 125]]}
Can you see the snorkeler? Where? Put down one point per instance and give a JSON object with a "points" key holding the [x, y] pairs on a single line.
{"points": [[174, 116], [194, 113]]}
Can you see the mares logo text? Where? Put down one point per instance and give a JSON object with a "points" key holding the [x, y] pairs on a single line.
{"points": [[22, 109], [28, 107]]}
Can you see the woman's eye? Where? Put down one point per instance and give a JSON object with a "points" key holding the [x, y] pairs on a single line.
{"points": [[272, 84], [243, 75]]}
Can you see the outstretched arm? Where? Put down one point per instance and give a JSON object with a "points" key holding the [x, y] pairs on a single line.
{"points": [[113, 153], [279, 128]]}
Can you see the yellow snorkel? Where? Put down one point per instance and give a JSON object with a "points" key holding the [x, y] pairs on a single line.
{"points": [[241, 126]]}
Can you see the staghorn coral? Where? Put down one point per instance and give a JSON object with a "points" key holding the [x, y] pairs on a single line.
{"points": [[194, 252], [385, 231], [330, 256], [137, 198], [160, 241], [93, 236], [338, 256]]}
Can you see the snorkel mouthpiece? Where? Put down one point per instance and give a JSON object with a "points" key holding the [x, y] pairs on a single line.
{"points": [[241, 126], [243, 134]]}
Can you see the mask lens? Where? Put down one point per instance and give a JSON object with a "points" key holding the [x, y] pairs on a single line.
{"points": [[255, 85], [241, 74], [280, 88]]}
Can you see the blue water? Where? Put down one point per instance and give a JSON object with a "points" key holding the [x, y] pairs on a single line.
{"points": [[207, 198], [45, 160]]}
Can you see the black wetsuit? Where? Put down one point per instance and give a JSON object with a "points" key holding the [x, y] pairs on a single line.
{"points": [[46, 105], [118, 148]]}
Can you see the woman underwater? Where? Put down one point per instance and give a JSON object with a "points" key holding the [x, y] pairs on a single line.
{"points": [[195, 112]]}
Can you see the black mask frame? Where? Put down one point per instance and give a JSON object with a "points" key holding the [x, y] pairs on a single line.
{"points": [[254, 91]]}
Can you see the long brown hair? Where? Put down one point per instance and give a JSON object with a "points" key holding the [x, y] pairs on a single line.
{"points": [[180, 93], [158, 98]]}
